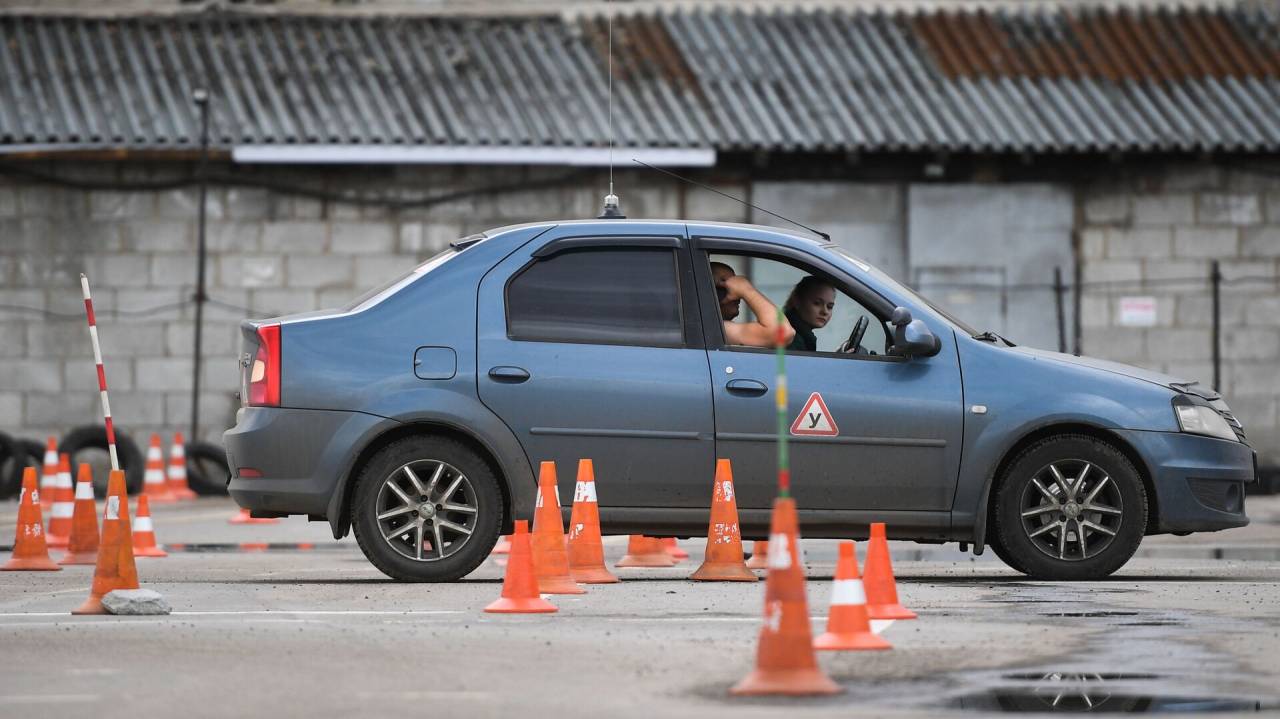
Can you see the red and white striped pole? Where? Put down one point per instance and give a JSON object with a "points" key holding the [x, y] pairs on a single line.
{"points": [[102, 375]]}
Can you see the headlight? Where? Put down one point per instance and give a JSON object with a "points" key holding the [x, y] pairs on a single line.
{"points": [[1200, 419]]}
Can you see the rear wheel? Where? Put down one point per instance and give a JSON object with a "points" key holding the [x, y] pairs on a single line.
{"points": [[1070, 507], [426, 509]]}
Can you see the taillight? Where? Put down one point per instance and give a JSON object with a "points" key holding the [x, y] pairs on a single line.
{"points": [[264, 373]]}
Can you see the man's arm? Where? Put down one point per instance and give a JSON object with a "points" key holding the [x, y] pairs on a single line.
{"points": [[763, 332]]}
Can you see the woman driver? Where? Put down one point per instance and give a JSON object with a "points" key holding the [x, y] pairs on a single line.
{"points": [[808, 308]]}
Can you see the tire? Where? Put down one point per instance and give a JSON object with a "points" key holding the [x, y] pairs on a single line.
{"points": [[462, 553], [1004, 555], [94, 436], [1088, 536], [207, 469]]}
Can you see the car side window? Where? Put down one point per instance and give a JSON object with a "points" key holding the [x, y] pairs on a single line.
{"points": [[626, 296], [824, 316]]}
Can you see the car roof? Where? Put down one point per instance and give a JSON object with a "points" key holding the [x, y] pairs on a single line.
{"points": [[696, 227]]}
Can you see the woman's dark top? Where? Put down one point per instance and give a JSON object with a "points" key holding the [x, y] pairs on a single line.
{"points": [[805, 340]]}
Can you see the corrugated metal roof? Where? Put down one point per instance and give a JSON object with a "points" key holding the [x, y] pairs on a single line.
{"points": [[1074, 79]]}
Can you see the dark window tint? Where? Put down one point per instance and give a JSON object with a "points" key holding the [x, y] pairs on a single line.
{"points": [[602, 296]]}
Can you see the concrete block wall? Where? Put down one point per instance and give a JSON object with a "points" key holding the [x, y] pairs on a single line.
{"points": [[269, 252], [1143, 233]]}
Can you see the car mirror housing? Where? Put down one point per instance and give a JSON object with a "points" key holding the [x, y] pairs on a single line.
{"points": [[913, 338]]}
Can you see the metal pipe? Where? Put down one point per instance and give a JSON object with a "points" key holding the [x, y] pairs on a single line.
{"points": [[201, 98], [1059, 298], [1215, 281]]}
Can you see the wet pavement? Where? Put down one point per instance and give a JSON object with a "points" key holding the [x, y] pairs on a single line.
{"points": [[281, 619]]}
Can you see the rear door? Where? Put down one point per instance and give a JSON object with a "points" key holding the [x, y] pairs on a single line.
{"points": [[591, 346]]}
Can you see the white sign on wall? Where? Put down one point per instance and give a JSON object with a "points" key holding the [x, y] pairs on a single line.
{"points": [[1138, 311]]}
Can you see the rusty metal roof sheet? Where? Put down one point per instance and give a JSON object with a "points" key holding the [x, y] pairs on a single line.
{"points": [[1070, 79]]}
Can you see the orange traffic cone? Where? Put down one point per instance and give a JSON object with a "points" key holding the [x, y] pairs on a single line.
{"points": [[177, 479], [669, 544], [785, 662], [519, 586], [586, 548], [115, 568], [759, 553], [243, 517], [154, 484], [144, 533], [550, 557], [83, 547], [882, 590], [645, 551], [848, 625], [48, 474], [723, 561], [64, 498], [30, 553], [503, 545]]}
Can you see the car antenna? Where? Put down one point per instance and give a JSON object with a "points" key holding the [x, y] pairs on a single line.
{"points": [[695, 183], [612, 210]]}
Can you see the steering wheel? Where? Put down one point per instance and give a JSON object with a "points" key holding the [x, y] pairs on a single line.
{"points": [[855, 338]]}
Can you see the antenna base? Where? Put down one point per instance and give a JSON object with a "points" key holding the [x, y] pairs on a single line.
{"points": [[611, 211]]}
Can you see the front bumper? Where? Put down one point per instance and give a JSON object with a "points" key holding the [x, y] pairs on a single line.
{"points": [[1199, 481], [302, 455]]}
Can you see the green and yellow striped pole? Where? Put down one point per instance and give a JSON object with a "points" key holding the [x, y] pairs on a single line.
{"points": [[784, 469]]}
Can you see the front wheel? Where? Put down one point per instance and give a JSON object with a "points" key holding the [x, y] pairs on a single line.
{"points": [[1070, 507], [426, 509]]}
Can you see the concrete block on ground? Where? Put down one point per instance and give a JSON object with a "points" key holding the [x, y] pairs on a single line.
{"points": [[318, 271], [1221, 208], [1207, 242], [1144, 242], [1164, 209], [295, 237], [135, 602], [362, 237]]}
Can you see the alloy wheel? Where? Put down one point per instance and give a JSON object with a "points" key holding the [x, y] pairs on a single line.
{"points": [[426, 510], [1071, 510]]}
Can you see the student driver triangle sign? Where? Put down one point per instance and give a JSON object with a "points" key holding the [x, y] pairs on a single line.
{"points": [[815, 419]]}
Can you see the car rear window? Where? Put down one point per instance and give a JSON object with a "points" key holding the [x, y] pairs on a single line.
{"points": [[598, 296]]}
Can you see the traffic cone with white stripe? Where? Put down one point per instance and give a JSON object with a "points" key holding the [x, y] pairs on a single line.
{"points": [[586, 548], [64, 498], [785, 660], [30, 552], [882, 589], [83, 547], [723, 560], [48, 474], [550, 556], [645, 551], [154, 484], [144, 533], [177, 479], [115, 568], [848, 624], [759, 551]]}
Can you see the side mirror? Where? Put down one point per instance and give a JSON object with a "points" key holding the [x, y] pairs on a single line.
{"points": [[912, 338]]}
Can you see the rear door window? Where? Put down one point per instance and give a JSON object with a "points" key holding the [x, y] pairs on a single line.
{"points": [[626, 296]]}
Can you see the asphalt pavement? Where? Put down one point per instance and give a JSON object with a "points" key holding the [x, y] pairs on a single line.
{"points": [[281, 620]]}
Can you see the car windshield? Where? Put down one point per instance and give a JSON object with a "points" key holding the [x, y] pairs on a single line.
{"points": [[378, 294], [886, 279]]}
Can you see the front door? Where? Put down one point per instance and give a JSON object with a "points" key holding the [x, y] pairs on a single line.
{"points": [[588, 348], [867, 430]]}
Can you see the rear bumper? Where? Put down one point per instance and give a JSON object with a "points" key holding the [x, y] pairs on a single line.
{"points": [[1199, 481], [302, 455]]}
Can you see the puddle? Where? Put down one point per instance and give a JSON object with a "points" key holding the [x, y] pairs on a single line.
{"points": [[1081, 699]]}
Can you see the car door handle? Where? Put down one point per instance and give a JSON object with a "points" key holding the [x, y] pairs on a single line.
{"points": [[750, 387], [509, 375]]}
